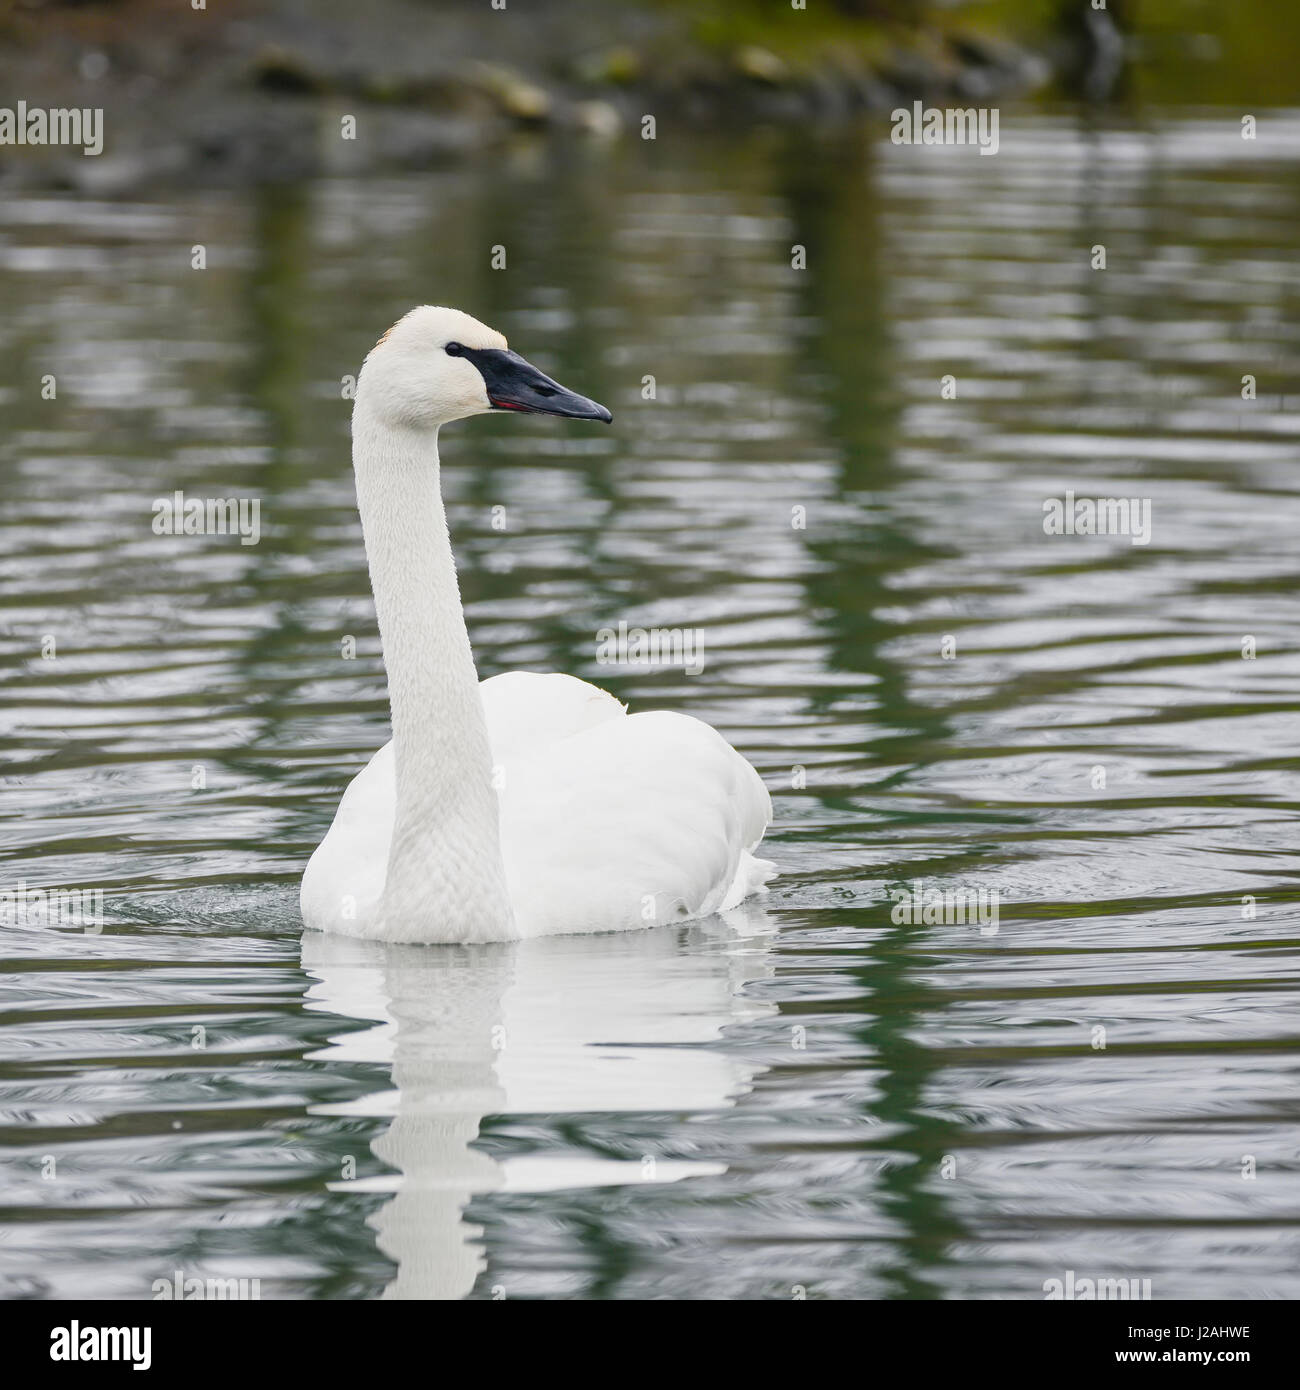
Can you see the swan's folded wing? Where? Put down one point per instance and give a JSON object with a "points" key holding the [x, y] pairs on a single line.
{"points": [[636, 821], [345, 876], [526, 711]]}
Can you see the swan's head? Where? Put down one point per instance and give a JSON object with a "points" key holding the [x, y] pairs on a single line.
{"points": [[437, 365]]}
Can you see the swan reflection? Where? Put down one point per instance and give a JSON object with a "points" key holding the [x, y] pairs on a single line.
{"points": [[565, 1024]]}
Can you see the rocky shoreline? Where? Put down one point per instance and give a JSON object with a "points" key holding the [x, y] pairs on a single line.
{"points": [[286, 89]]}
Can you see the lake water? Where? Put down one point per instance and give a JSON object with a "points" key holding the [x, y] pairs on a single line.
{"points": [[812, 1096]]}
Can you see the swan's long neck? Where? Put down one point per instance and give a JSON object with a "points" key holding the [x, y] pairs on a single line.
{"points": [[445, 877]]}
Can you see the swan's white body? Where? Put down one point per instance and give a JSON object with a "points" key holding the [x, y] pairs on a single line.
{"points": [[528, 805]]}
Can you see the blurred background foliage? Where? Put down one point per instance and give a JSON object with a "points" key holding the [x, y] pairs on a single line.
{"points": [[1177, 51]]}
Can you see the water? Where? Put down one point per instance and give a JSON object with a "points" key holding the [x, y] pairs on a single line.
{"points": [[812, 1096]]}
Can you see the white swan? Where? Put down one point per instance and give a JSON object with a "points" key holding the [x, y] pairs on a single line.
{"points": [[529, 805]]}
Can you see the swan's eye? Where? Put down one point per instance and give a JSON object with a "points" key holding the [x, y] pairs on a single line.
{"points": [[454, 349]]}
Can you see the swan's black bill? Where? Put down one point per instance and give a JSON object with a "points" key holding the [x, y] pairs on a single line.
{"points": [[513, 383]]}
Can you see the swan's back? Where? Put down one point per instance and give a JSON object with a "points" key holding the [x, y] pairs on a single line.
{"points": [[527, 712], [657, 814]]}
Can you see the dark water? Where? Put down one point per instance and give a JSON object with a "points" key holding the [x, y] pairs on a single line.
{"points": [[814, 1097]]}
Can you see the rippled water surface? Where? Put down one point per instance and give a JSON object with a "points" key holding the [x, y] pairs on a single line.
{"points": [[812, 1095]]}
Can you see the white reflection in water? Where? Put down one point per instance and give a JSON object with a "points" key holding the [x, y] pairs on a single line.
{"points": [[555, 1025]]}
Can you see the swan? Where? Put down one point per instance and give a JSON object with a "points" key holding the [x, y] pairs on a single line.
{"points": [[526, 805]]}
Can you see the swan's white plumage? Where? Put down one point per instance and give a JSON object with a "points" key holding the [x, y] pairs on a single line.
{"points": [[526, 805], [609, 820], [526, 711]]}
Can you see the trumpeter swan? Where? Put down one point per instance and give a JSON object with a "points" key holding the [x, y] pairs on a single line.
{"points": [[528, 805]]}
